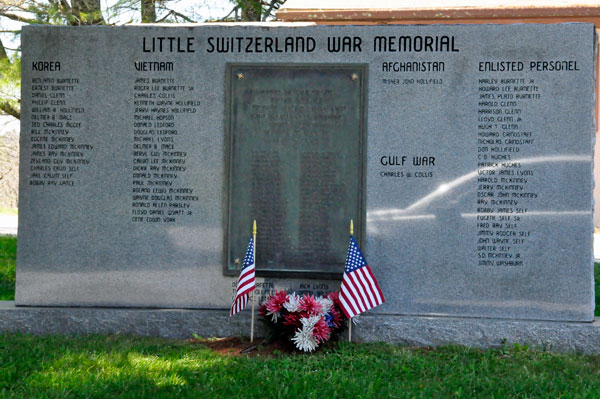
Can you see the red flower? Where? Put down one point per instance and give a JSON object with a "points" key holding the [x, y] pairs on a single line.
{"points": [[310, 305], [292, 319], [262, 309], [321, 331], [275, 302]]}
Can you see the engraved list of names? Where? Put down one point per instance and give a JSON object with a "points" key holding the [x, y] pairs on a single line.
{"points": [[57, 140]]}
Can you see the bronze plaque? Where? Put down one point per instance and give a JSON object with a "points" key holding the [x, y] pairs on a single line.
{"points": [[296, 146]]}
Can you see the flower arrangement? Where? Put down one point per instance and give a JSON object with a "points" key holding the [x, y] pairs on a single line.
{"points": [[306, 320]]}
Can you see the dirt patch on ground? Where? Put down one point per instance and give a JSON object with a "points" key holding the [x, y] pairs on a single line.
{"points": [[235, 346]]}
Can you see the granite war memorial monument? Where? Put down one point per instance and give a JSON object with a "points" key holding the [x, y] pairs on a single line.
{"points": [[462, 153]]}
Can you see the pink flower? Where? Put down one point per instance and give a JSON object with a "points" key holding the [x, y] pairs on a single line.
{"points": [[275, 302], [310, 305], [321, 331]]}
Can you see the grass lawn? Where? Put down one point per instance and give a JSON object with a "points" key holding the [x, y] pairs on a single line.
{"points": [[8, 261], [597, 286], [134, 367], [126, 367]]}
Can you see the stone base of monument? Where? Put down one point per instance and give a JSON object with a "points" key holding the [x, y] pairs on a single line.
{"points": [[416, 331]]}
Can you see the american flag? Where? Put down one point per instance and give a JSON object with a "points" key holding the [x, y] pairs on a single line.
{"points": [[359, 291], [246, 282]]}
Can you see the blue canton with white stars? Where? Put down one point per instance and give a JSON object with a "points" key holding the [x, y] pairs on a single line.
{"points": [[355, 258], [249, 259]]}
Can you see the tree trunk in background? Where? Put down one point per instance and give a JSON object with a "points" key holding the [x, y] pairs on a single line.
{"points": [[148, 11], [3, 55]]}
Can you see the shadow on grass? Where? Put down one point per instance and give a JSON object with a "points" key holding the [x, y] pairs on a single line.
{"points": [[126, 367], [102, 367]]}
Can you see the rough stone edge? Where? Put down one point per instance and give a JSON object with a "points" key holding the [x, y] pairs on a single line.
{"points": [[407, 330]]}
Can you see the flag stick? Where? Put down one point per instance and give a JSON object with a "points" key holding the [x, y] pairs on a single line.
{"points": [[350, 330], [254, 257], [350, 321]]}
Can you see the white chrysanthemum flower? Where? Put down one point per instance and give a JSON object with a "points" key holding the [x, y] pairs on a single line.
{"points": [[303, 338], [274, 316], [326, 304], [309, 322], [292, 303]]}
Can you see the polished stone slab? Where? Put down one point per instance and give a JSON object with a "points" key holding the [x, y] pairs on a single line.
{"points": [[477, 172]]}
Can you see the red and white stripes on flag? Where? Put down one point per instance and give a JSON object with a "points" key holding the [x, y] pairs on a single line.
{"points": [[359, 291], [246, 282]]}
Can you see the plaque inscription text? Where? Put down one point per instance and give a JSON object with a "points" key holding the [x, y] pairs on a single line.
{"points": [[296, 149]]}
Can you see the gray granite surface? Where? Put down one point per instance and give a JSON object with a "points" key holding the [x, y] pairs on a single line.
{"points": [[478, 173], [407, 330]]}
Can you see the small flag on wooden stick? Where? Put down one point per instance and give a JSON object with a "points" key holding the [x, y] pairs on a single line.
{"points": [[246, 282], [359, 291]]}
